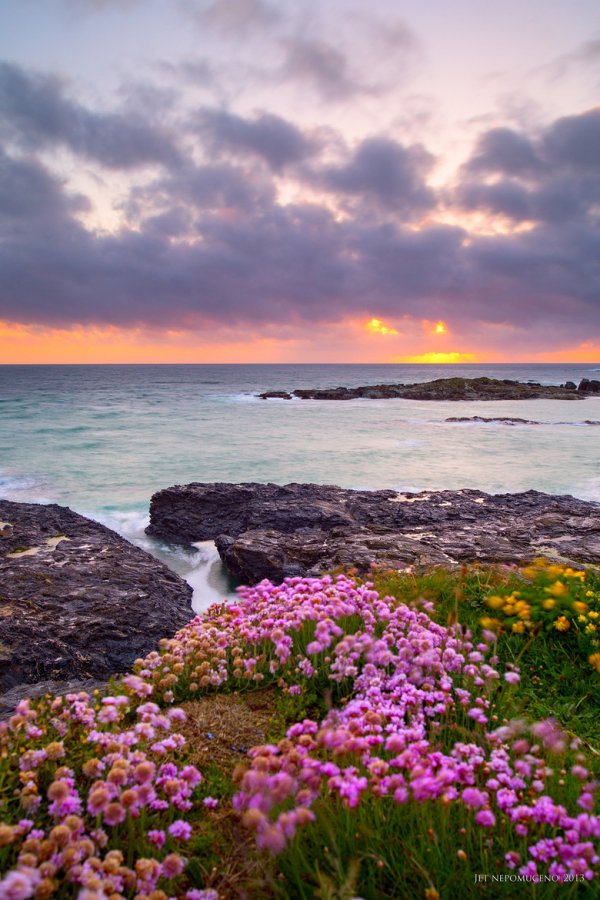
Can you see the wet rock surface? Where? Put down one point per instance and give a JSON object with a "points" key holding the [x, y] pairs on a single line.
{"points": [[445, 389], [77, 601], [273, 531]]}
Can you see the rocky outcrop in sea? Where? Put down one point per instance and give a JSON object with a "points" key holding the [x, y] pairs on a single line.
{"points": [[446, 389], [77, 601], [273, 531]]}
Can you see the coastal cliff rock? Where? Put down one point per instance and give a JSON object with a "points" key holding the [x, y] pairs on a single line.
{"points": [[77, 601], [444, 389], [273, 531]]}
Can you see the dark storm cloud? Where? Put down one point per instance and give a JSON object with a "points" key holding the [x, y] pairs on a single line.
{"points": [[385, 171], [270, 137], [34, 112], [210, 244]]}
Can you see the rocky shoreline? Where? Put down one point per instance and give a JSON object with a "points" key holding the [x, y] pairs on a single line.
{"points": [[446, 389], [77, 601], [272, 531]]}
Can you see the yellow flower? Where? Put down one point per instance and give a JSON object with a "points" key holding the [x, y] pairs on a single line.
{"points": [[593, 614], [495, 602], [595, 661], [508, 609], [581, 618], [580, 607], [518, 627], [549, 604], [562, 624], [487, 622], [558, 589], [589, 629], [589, 593]]}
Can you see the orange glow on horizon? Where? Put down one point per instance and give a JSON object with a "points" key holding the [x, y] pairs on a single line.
{"points": [[440, 358], [342, 342]]}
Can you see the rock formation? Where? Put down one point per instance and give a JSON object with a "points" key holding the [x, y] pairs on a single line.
{"points": [[445, 389], [272, 531], [77, 601]]}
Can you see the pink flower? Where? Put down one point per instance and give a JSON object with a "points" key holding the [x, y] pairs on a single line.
{"points": [[172, 866], [156, 837], [474, 798], [485, 818], [114, 814], [180, 830], [19, 885], [210, 802]]}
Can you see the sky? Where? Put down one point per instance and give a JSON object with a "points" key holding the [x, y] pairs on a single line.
{"points": [[299, 181]]}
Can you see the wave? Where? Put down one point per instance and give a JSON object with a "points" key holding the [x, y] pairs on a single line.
{"points": [[22, 489]]}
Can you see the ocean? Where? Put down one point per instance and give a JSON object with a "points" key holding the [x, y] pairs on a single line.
{"points": [[103, 438]]}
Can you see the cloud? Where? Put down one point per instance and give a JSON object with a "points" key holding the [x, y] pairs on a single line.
{"points": [[101, 5], [212, 189], [35, 113], [323, 67], [551, 178], [234, 17], [278, 142], [506, 151], [383, 170], [574, 141], [586, 54], [31, 198], [212, 245]]}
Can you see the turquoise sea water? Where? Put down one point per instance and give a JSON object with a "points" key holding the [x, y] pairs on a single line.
{"points": [[102, 439]]}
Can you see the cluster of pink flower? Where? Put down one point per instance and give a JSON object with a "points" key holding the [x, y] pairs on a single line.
{"points": [[119, 790], [410, 678], [283, 630]]}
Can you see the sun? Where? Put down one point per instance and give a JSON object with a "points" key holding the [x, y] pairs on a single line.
{"points": [[440, 328], [376, 326]]}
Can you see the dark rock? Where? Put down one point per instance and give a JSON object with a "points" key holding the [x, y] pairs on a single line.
{"points": [[272, 531], [570, 385], [505, 420], [78, 601], [275, 395], [440, 389], [587, 386]]}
